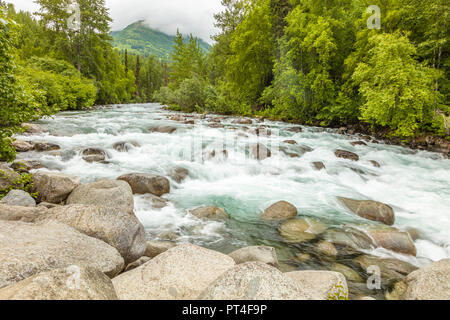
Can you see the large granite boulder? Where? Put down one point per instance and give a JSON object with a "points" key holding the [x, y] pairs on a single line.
{"points": [[319, 285], [429, 283], [371, 210], [71, 283], [281, 210], [53, 187], [155, 248], [107, 193], [142, 183], [117, 228], [21, 146], [18, 213], [253, 281], [18, 198], [263, 254], [27, 249], [180, 273]]}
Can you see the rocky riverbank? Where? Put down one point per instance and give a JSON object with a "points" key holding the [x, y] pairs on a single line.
{"points": [[89, 231]]}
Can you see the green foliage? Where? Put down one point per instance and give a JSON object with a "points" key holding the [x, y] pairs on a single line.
{"points": [[140, 39], [23, 182], [338, 292]]}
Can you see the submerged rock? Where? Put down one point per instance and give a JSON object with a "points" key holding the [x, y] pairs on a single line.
{"points": [[429, 283], [117, 228], [301, 229], [346, 155], [18, 198], [375, 163], [27, 249], [156, 202], [42, 146], [163, 129], [180, 273], [327, 248], [253, 281], [61, 284], [349, 240], [53, 187], [124, 146], [281, 210], [242, 121], [318, 165], [394, 240], [262, 254], [179, 174], [210, 212], [319, 284], [107, 193], [94, 155], [292, 142], [142, 183], [349, 273], [295, 129], [371, 210], [358, 143]]}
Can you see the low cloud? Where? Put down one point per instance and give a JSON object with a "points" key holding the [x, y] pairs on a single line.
{"points": [[190, 16]]}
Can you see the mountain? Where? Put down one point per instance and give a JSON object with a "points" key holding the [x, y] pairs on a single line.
{"points": [[139, 38]]}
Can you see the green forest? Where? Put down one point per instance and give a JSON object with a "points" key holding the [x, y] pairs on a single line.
{"points": [[307, 61], [317, 62]]}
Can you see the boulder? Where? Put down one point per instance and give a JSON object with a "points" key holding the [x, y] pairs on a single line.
{"points": [[349, 273], [25, 166], [43, 146], [117, 228], [281, 210], [301, 229], [262, 254], [318, 165], [242, 121], [155, 248], [391, 270], [53, 187], [375, 163], [348, 240], [216, 126], [8, 177], [371, 210], [346, 155], [124, 146], [253, 281], [71, 283], [293, 142], [429, 283], [156, 202], [358, 143], [21, 146], [394, 240], [210, 212], [18, 213], [179, 174], [163, 129], [295, 129], [142, 183], [327, 248], [180, 273], [93, 155], [107, 193], [136, 264], [27, 249], [319, 284], [18, 198], [259, 151], [33, 128]]}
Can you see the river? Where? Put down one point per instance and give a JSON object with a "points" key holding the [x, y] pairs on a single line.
{"points": [[415, 183]]}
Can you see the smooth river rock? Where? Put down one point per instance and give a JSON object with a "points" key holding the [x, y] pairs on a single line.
{"points": [[142, 183], [18, 198], [93, 155], [371, 210], [21, 146], [263, 254], [107, 193], [180, 273], [27, 249], [210, 212], [394, 240], [117, 228], [71, 283], [319, 284], [281, 210], [53, 187], [253, 281], [429, 283], [301, 230], [346, 155]]}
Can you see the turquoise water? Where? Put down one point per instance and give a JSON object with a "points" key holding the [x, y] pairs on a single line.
{"points": [[415, 184]]}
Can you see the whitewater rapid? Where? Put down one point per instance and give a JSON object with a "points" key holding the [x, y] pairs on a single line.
{"points": [[415, 183]]}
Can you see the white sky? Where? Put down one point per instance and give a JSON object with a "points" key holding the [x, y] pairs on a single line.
{"points": [[190, 16]]}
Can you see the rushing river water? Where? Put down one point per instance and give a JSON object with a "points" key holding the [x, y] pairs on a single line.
{"points": [[415, 184]]}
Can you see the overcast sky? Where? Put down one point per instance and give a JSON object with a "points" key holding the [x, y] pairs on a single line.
{"points": [[190, 16]]}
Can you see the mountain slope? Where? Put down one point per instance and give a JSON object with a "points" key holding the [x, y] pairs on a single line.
{"points": [[138, 38]]}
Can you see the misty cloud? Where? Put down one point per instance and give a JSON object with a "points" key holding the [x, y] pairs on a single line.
{"points": [[190, 16]]}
